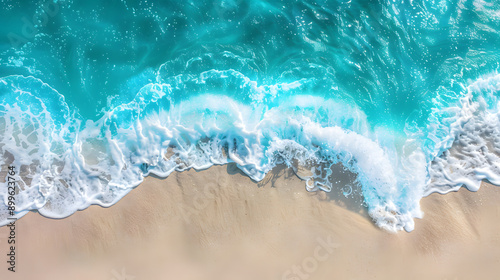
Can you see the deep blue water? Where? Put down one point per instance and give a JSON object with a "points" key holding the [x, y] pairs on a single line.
{"points": [[95, 95]]}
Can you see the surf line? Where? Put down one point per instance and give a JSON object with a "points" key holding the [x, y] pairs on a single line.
{"points": [[11, 184]]}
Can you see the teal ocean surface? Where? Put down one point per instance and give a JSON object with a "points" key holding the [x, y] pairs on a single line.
{"points": [[95, 95]]}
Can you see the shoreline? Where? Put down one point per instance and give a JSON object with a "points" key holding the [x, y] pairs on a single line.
{"points": [[218, 224]]}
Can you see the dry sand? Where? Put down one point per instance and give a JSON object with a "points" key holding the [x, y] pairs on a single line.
{"points": [[218, 224]]}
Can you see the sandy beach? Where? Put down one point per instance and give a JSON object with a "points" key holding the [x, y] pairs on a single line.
{"points": [[219, 224]]}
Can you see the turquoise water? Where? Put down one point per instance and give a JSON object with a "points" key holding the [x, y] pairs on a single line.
{"points": [[95, 95]]}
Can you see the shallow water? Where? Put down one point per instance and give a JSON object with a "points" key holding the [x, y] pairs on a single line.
{"points": [[95, 95]]}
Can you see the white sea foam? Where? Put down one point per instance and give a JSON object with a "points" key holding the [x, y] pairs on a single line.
{"points": [[68, 165], [472, 150]]}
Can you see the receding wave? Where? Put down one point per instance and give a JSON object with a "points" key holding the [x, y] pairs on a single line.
{"points": [[67, 164]]}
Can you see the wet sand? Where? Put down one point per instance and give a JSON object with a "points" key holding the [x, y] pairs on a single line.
{"points": [[219, 224]]}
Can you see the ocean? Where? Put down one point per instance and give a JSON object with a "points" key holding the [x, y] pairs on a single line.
{"points": [[96, 95]]}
